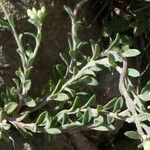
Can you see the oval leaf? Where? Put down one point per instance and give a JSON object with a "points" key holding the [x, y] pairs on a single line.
{"points": [[10, 107], [53, 131], [61, 97], [131, 53], [145, 97], [132, 135], [133, 72]]}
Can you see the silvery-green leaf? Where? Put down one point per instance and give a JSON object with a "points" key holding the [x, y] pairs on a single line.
{"points": [[10, 107], [53, 131], [41, 120], [98, 121], [89, 72], [27, 85], [72, 126], [131, 53], [90, 102], [146, 88], [65, 119], [133, 72], [118, 104], [28, 71], [71, 91], [90, 81], [76, 104], [110, 103], [145, 97], [17, 83], [104, 128], [133, 135], [4, 24], [61, 114], [20, 75], [144, 116], [30, 102], [111, 59], [61, 97], [87, 116], [6, 126]]}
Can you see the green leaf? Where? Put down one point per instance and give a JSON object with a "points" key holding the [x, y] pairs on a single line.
{"points": [[144, 97], [47, 88], [65, 119], [60, 115], [6, 126], [144, 116], [53, 131], [133, 135], [118, 104], [146, 88], [70, 91], [23, 116], [20, 75], [61, 97], [72, 126], [110, 119], [31, 126], [28, 71], [48, 123], [17, 83], [111, 103], [10, 107], [131, 53], [27, 85], [87, 116], [90, 102], [89, 72], [30, 102], [89, 81], [95, 50], [104, 128], [41, 120], [98, 121], [133, 72], [58, 86], [111, 59], [76, 104], [4, 24], [75, 71]]}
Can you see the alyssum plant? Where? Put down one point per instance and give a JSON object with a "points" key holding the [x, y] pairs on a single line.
{"points": [[74, 107]]}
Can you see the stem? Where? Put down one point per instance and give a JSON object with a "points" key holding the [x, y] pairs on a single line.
{"points": [[20, 46], [46, 100], [129, 102], [114, 42]]}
